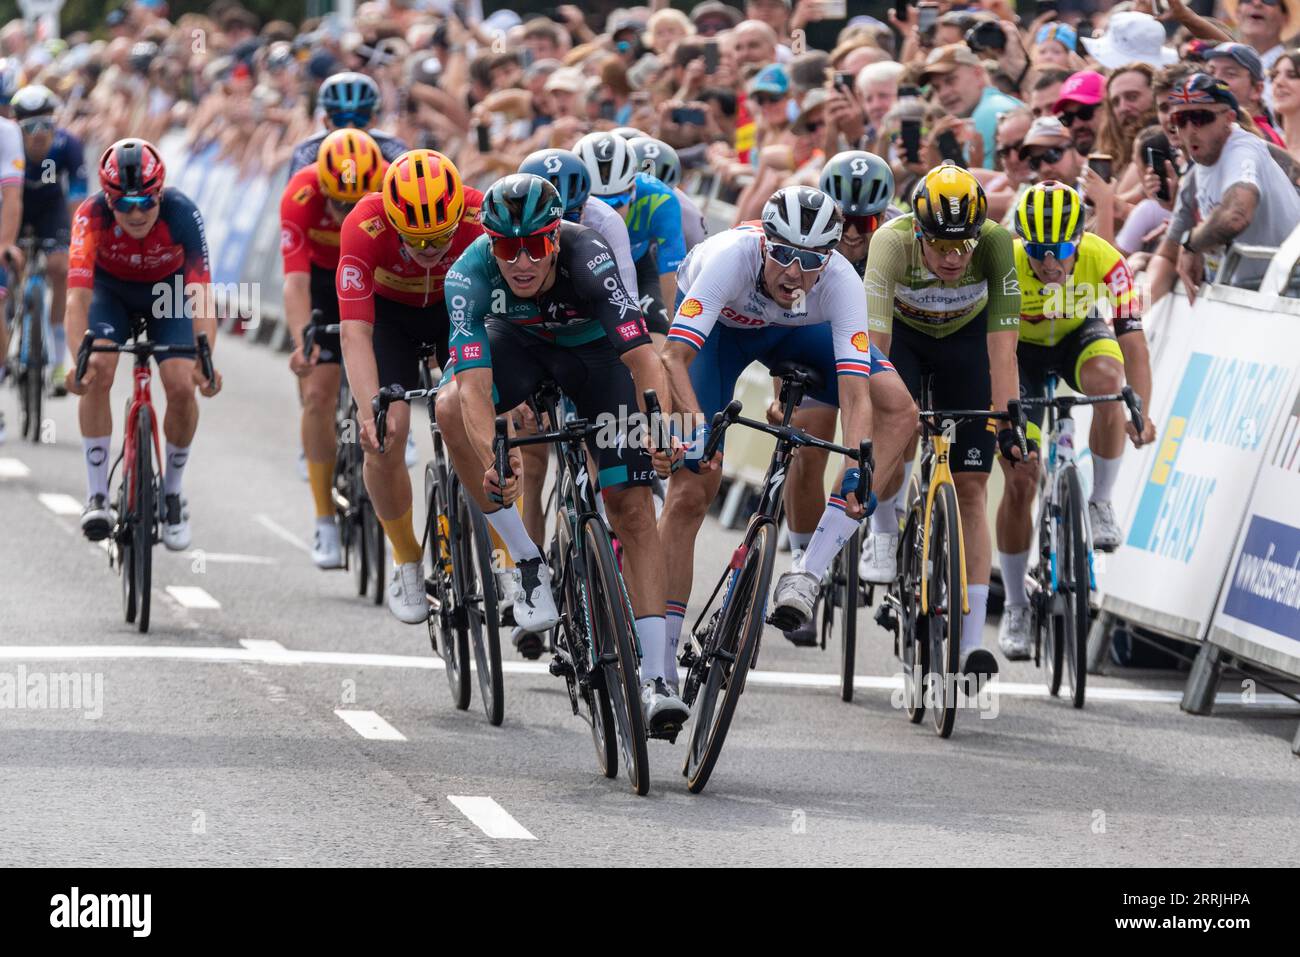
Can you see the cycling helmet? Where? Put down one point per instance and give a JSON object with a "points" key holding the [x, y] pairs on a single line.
{"points": [[860, 182], [949, 203], [628, 132], [609, 161], [34, 100], [11, 78], [563, 170], [658, 159], [423, 196], [349, 165], [520, 204], [1049, 213], [349, 99], [131, 167], [804, 217]]}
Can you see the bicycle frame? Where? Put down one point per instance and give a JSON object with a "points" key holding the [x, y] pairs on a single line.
{"points": [[141, 395], [935, 472]]}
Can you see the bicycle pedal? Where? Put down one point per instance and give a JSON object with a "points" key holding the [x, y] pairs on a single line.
{"points": [[668, 734], [784, 619], [560, 668]]}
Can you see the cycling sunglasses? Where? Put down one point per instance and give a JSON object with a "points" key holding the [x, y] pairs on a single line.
{"points": [[538, 246], [351, 118], [809, 260], [1052, 154], [1197, 118], [619, 200], [1084, 113], [130, 204], [1057, 251], [864, 224], [945, 246], [421, 243], [36, 124]]}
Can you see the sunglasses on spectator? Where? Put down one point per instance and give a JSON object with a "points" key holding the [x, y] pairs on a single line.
{"points": [[808, 259], [1084, 113], [809, 129], [538, 246], [36, 124], [131, 204], [1005, 151], [1197, 118], [1267, 3], [1057, 251], [863, 224], [767, 99], [1050, 155], [945, 246]]}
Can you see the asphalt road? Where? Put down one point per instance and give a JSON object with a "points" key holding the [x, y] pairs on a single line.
{"points": [[223, 736]]}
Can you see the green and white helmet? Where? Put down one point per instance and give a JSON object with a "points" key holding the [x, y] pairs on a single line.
{"points": [[520, 204]]}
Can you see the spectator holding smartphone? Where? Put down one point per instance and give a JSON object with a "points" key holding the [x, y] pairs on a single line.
{"points": [[1240, 67], [962, 87]]}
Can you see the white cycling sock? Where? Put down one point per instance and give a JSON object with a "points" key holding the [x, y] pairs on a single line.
{"points": [[833, 530], [510, 526], [651, 631], [59, 347], [1014, 565], [884, 520], [96, 465], [673, 623], [1104, 473], [798, 540], [972, 624], [177, 457]]}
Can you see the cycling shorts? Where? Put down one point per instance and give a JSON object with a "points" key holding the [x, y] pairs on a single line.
{"points": [[114, 301], [1094, 338], [326, 299], [46, 214], [400, 332]]}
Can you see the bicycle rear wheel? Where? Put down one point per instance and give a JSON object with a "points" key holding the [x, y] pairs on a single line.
{"points": [[944, 619], [1047, 620], [1076, 585], [913, 652], [730, 653], [485, 618], [455, 644], [847, 584], [145, 514], [445, 624], [125, 556], [615, 649], [32, 386]]}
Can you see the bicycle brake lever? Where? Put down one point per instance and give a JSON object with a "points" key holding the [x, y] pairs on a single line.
{"points": [[1134, 403], [83, 354]]}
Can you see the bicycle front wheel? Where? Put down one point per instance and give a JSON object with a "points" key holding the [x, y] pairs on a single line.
{"points": [[1075, 584], [849, 557], [145, 514], [484, 618], [33, 384], [913, 652], [730, 653], [944, 619], [122, 542], [614, 645]]}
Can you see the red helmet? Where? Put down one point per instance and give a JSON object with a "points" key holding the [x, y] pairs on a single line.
{"points": [[131, 167]]}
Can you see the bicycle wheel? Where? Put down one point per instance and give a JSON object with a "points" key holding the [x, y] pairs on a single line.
{"points": [[615, 649], [33, 375], [358, 539], [124, 556], [847, 588], [730, 651], [445, 625], [1075, 584], [914, 653], [145, 514], [484, 617], [1047, 621], [944, 619]]}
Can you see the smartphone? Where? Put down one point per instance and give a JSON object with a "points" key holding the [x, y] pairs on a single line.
{"points": [[949, 148], [1102, 165], [711, 55], [927, 15], [484, 135], [911, 134], [900, 10], [986, 36], [834, 9], [1156, 160], [844, 81], [685, 115]]}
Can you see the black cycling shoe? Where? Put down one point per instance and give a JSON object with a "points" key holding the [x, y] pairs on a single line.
{"points": [[528, 644], [97, 518], [804, 636]]}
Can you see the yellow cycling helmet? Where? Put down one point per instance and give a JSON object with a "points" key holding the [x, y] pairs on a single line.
{"points": [[349, 165], [423, 196], [1049, 214], [949, 203]]}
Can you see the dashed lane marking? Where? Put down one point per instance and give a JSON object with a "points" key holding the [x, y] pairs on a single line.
{"points": [[12, 468], [282, 533], [191, 596], [59, 503], [370, 725], [491, 818]]}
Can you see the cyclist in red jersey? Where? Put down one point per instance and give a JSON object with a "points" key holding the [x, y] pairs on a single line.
{"points": [[395, 249], [313, 207], [138, 249]]}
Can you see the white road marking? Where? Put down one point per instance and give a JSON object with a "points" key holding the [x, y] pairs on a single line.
{"points": [[230, 558], [262, 644], [280, 532], [12, 468], [59, 503], [370, 725], [491, 818], [191, 596], [776, 679]]}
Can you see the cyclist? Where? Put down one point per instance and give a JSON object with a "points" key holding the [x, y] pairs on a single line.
{"points": [[769, 292], [11, 199], [1065, 276], [653, 217], [395, 249], [56, 177], [134, 235], [656, 158], [312, 208], [541, 298], [943, 301], [349, 101]]}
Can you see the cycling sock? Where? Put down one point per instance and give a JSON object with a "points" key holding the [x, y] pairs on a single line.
{"points": [[59, 347], [321, 477], [499, 549], [798, 540], [177, 457], [401, 535], [673, 622], [884, 520], [97, 465], [509, 524], [972, 624], [1104, 473], [651, 631], [1014, 566], [833, 530]]}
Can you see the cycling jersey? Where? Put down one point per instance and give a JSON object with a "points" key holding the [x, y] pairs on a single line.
{"points": [[174, 245], [1050, 313], [901, 287], [694, 229], [604, 220], [374, 262], [655, 217], [587, 302], [12, 158], [61, 171], [309, 234], [305, 153]]}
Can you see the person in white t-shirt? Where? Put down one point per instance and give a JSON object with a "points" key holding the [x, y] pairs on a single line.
{"points": [[11, 218]]}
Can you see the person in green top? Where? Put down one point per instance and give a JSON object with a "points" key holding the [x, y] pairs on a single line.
{"points": [[943, 300]]}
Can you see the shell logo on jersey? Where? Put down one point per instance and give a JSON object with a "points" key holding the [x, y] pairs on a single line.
{"points": [[861, 342], [303, 195], [373, 226], [691, 308]]}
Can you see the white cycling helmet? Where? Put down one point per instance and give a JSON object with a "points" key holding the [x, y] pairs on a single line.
{"points": [[803, 216], [610, 161]]}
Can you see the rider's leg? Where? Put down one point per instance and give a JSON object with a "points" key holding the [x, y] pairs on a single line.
{"points": [[180, 421], [632, 516], [320, 389], [893, 418], [389, 486], [689, 496], [805, 486], [1015, 528], [972, 501], [95, 414], [537, 460], [56, 271], [1103, 375]]}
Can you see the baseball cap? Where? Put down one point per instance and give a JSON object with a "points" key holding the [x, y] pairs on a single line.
{"points": [[1087, 87], [712, 10], [771, 79], [947, 58], [814, 99], [1240, 52], [1062, 33], [1200, 90], [1131, 38], [1046, 131], [568, 79]]}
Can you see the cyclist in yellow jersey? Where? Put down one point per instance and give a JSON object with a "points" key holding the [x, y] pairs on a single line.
{"points": [[1068, 280]]}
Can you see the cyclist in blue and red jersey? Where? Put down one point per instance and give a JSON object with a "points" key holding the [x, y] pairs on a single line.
{"points": [[138, 249]]}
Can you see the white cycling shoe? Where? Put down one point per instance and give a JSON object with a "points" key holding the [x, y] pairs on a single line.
{"points": [[406, 596], [664, 711], [796, 596], [535, 609], [1013, 632], [1105, 529], [176, 523], [879, 562], [326, 551]]}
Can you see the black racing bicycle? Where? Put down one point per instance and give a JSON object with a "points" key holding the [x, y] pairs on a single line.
{"points": [[459, 578], [719, 654], [841, 596], [32, 348]]}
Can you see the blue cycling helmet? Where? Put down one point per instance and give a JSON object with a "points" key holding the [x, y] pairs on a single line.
{"points": [[349, 99], [860, 182], [567, 173]]}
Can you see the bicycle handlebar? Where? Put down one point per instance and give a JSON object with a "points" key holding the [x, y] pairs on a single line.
{"points": [[1126, 395], [501, 446], [314, 328], [201, 350]]}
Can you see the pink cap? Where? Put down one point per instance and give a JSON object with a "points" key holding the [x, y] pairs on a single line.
{"points": [[1087, 87]]}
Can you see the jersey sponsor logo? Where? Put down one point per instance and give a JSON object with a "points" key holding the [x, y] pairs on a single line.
{"points": [[593, 263], [456, 313], [471, 351], [304, 195], [351, 278], [454, 276], [629, 330], [424, 283], [691, 308], [324, 237], [861, 341], [290, 238], [739, 318], [373, 226]]}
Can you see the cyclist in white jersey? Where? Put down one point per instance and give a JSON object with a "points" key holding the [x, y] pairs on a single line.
{"points": [[12, 164]]}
